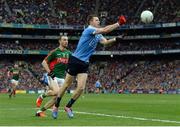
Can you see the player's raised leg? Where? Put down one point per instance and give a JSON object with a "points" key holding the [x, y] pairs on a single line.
{"points": [[67, 83], [54, 87], [53, 90], [81, 78]]}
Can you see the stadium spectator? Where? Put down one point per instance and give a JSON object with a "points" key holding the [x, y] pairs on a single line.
{"points": [[115, 76], [75, 12], [130, 46]]}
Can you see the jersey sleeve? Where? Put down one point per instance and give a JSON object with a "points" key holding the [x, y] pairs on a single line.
{"points": [[11, 70], [100, 36], [50, 57], [91, 30]]}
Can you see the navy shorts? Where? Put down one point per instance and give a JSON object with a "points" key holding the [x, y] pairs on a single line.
{"points": [[76, 66]]}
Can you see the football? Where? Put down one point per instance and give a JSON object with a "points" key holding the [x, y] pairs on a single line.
{"points": [[147, 16]]}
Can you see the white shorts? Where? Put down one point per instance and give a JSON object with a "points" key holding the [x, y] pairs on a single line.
{"points": [[59, 81], [15, 82]]}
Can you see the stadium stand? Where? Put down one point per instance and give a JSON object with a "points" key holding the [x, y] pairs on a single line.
{"points": [[75, 12], [130, 46], [116, 74]]}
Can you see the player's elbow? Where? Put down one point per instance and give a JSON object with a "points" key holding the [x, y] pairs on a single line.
{"points": [[43, 63], [104, 42]]}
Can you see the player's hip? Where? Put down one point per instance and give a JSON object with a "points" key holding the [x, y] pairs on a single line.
{"points": [[14, 81], [56, 81], [76, 66]]}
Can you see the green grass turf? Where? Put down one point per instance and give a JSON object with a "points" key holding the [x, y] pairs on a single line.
{"points": [[20, 111]]}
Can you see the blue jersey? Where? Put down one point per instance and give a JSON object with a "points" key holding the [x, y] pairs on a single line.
{"points": [[87, 44], [45, 78], [98, 84]]}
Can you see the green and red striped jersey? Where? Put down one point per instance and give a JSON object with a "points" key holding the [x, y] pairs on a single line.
{"points": [[57, 60]]}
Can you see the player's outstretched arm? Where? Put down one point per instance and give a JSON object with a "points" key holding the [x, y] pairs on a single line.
{"points": [[104, 41], [109, 28]]}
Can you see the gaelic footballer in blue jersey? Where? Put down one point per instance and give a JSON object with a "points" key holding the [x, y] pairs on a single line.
{"points": [[79, 61]]}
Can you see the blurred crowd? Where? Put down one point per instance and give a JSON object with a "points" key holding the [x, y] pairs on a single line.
{"points": [[115, 76], [126, 46], [120, 76], [73, 12], [27, 80]]}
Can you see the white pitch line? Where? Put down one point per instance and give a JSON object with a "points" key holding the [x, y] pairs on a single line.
{"points": [[108, 115], [126, 117], [129, 117]]}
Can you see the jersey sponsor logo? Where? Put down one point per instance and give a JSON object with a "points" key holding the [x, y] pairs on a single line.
{"points": [[58, 61], [62, 60]]}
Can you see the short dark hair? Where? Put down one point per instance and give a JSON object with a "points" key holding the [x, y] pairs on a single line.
{"points": [[60, 37], [90, 17]]}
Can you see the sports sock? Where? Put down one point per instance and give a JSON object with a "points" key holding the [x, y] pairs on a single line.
{"points": [[43, 109], [70, 103], [11, 93], [57, 101], [43, 96]]}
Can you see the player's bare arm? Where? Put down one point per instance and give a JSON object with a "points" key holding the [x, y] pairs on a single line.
{"points": [[104, 41], [46, 66], [107, 29]]}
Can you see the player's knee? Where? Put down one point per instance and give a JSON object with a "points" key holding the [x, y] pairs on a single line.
{"points": [[66, 86], [67, 83], [81, 88], [54, 98], [56, 92]]}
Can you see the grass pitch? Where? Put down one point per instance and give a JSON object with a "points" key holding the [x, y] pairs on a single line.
{"points": [[95, 110]]}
